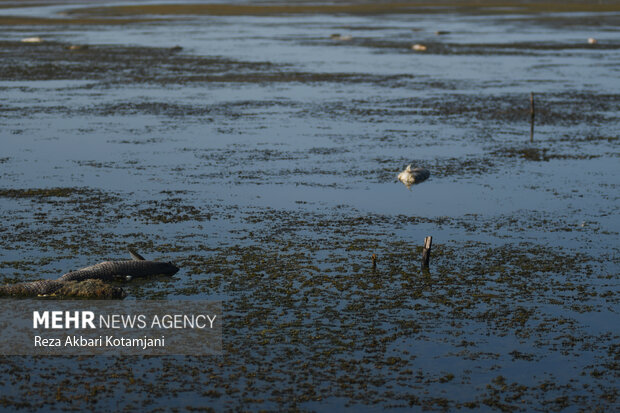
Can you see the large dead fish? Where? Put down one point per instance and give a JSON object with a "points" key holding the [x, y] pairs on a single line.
{"points": [[72, 283]]}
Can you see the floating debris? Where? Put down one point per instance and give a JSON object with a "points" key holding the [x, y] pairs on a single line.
{"points": [[419, 47], [413, 176], [340, 38], [78, 47], [176, 48], [35, 39], [592, 40], [441, 32]]}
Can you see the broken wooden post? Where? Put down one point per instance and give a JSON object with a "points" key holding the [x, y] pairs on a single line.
{"points": [[374, 261], [426, 253], [532, 114]]}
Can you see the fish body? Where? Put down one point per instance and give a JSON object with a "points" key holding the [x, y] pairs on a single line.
{"points": [[88, 281], [109, 270], [413, 176]]}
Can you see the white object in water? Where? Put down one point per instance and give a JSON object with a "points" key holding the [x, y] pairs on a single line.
{"points": [[341, 38], [592, 40], [36, 39], [419, 47], [413, 176]]}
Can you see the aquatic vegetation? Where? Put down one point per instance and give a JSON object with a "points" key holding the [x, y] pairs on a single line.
{"points": [[261, 156]]}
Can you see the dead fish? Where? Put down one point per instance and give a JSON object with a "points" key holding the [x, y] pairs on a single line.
{"points": [[413, 176], [78, 47], [104, 271], [338, 37], [35, 39]]}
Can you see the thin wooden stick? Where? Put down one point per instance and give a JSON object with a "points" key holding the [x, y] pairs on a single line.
{"points": [[426, 253], [532, 114]]}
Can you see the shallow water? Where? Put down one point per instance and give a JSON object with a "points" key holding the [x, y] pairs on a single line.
{"points": [[262, 158]]}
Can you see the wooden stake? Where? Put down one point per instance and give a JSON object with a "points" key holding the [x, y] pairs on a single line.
{"points": [[426, 253], [374, 261], [532, 114]]}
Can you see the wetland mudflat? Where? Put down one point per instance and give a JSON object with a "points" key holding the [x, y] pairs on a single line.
{"points": [[262, 157]]}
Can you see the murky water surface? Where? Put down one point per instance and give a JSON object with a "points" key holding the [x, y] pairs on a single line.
{"points": [[262, 158]]}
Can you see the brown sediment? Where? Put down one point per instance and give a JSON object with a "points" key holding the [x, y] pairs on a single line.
{"points": [[43, 21], [539, 154], [124, 64], [9, 4], [371, 8], [57, 192], [476, 49], [122, 15]]}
